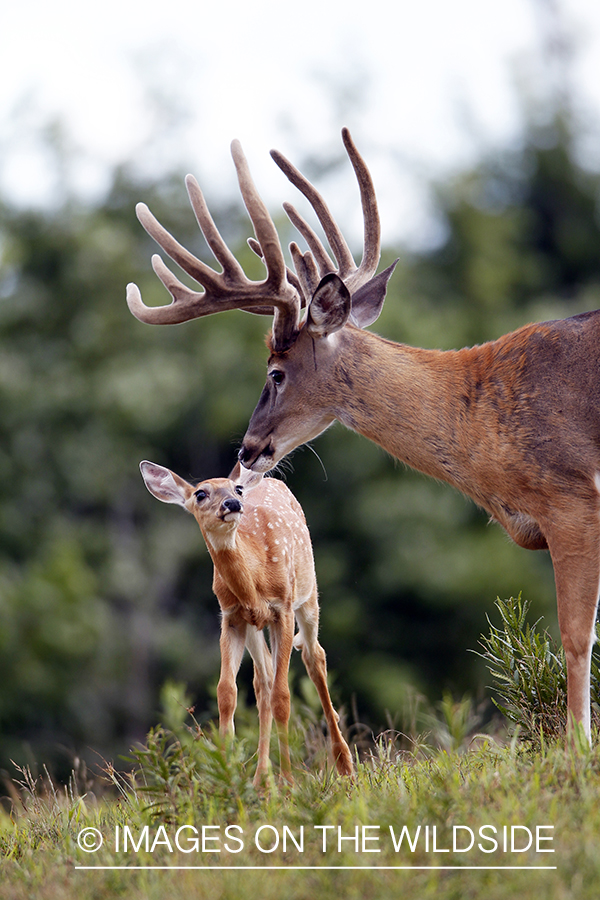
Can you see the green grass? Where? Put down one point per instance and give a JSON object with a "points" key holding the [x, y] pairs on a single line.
{"points": [[189, 781], [484, 784]]}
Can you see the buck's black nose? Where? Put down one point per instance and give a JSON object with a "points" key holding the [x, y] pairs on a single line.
{"points": [[245, 454], [250, 452], [231, 505]]}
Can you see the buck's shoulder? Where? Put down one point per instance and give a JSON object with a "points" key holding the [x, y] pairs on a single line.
{"points": [[573, 328], [542, 340]]}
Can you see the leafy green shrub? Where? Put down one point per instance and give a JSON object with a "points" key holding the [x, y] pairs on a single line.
{"points": [[182, 768], [529, 674]]}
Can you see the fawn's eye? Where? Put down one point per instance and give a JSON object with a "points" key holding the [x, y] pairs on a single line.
{"points": [[277, 376], [239, 490], [200, 495]]}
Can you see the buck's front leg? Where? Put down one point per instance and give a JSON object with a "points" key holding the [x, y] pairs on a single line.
{"points": [[576, 559], [282, 636], [232, 643]]}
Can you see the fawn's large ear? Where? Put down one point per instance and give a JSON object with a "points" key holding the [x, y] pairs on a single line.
{"points": [[245, 477], [329, 308], [367, 302], [164, 484]]}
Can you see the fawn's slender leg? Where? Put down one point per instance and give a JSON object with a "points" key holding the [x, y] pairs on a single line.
{"points": [[576, 558], [313, 657], [232, 643], [282, 636], [263, 684]]}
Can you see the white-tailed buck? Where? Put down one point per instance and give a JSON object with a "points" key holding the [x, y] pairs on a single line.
{"points": [[264, 576], [514, 423]]}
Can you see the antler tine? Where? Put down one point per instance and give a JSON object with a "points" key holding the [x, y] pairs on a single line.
{"points": [[264, 228], [286, 297], [321, 257], [335, 237], [308, 273], [199, 271], [221, 251], [352, 275], [372, 225]]}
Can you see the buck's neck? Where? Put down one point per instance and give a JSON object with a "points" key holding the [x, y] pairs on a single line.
{"points": [[411, 402]]}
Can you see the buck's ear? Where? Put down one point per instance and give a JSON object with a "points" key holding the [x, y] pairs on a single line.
{"points": [[245, 477], [329, 308], [367, 302], [164, 484]]}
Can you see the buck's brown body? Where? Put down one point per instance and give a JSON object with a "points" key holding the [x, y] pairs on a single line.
{"points": [[264, 576], [514, 423]]}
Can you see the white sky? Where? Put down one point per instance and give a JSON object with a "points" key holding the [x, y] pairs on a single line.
{"points": [[423, 85]]}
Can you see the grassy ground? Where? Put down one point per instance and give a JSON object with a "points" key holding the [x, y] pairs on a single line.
{"points": [[186, 779], [449, 815]]}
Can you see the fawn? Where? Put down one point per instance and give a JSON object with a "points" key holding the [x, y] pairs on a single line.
{"points": [[264, 575]]}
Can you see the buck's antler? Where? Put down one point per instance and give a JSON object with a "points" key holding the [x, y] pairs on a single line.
{"points": [[352, 275], [279, 294], [283, 293]]}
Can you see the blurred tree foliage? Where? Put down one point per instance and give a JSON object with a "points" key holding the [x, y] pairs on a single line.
{"points": [[105, 593]]}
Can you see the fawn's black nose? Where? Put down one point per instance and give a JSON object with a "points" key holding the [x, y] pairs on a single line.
{"points": [[231, 505]]}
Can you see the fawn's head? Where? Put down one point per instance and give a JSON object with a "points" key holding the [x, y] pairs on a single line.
{"points": [[216, 504]]}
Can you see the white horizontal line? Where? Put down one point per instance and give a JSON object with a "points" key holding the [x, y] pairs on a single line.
{"points": [[312, 868]]}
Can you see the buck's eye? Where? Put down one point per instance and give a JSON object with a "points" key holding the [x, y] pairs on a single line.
{"points": [[239, 490], [200, 495], [277, 376]]}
